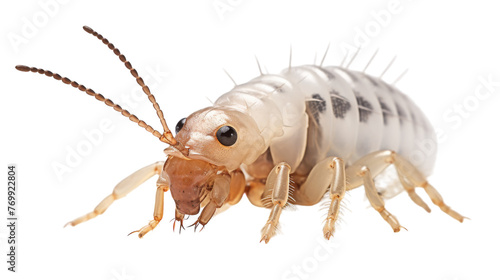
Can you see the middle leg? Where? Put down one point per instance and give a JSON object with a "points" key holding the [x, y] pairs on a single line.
{"points": [[326, 174]]}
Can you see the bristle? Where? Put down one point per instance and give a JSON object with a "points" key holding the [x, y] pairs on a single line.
{"points": [[258, 65], [324, 56]]}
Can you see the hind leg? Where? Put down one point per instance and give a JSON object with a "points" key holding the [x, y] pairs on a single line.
{"points": [[410, 189], [416, 179], [376, 201], [122, 189], [410, 177]]}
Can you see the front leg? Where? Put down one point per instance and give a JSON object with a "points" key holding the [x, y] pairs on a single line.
{"points": [[278, 184], [121, 190], [158, 212]]}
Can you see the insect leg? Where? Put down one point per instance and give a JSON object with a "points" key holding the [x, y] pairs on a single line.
{"points": [[363, 171], [376, 201], [326, 174], [122, 189], [409, 175], [410, 189], [278, 181], [337, 192], [412, 176], [158, 212]]}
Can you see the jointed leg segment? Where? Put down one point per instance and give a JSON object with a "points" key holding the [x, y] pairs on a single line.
{"points": [[122, 189], [409, 176], [337, 192], [438, 200], [410, 189], [376, 201], [330, 174], [278, 181], [158, 212], [415, 178]]}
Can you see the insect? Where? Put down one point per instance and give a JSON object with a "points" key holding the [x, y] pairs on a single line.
{"points": [[291, 138]]}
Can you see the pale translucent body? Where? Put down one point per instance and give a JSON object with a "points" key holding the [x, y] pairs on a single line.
{"points": [[308, 131]]}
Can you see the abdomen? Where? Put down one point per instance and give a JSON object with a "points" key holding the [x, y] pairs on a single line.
{"points": [[352, 114]]}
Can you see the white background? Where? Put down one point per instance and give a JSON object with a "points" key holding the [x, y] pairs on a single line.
{"points": [[447, 46]]}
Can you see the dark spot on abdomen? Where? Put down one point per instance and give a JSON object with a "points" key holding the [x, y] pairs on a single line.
{"points": [[316, 107], [386, 111], [365, 108], [401, 112], [340, 105]]}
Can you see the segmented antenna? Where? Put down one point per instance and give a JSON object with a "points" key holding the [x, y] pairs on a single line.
{"points": [[167, 133], [97, 96]]}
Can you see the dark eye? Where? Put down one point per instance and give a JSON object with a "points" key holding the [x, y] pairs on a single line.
{"points": [[227, 135], [179, 125]]}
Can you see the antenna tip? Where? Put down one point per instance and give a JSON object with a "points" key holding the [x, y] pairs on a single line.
{"points": [[23, 68], [88, 29]]}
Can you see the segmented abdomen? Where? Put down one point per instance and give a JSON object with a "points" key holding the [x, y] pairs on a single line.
{"points": [[352, 114]]}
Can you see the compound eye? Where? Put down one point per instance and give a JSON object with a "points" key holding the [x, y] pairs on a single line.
{"points": [[179, 125], [227, 135]]}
